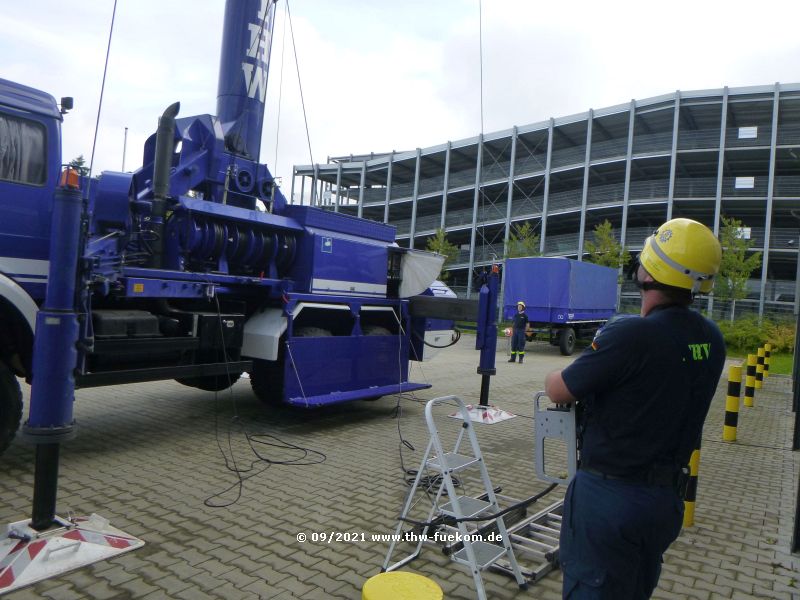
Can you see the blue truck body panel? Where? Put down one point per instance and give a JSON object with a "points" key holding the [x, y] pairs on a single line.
{"points": [[559, 290]]}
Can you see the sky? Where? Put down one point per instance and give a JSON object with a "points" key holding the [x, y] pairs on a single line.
{"points": [[382, 75]]}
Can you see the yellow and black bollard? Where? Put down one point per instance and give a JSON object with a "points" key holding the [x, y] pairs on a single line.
{"points": [[732, 404], [750, 381], [760, 368], [691, 488], [767, 353]]}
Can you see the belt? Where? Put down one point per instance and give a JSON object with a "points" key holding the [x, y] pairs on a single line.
{"points": [[628, 478], [658, 477]]}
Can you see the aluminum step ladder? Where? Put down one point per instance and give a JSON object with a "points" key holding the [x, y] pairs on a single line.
{"points": [[535, 537], [477, 555]]}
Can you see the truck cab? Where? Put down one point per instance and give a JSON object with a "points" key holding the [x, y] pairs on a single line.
{"points": [[30, 162]]}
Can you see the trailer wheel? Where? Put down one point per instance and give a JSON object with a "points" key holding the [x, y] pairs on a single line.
{"points": [[566, 341], [10, 407]]}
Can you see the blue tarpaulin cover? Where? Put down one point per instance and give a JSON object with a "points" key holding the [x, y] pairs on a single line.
{"points": [[559, 290]]}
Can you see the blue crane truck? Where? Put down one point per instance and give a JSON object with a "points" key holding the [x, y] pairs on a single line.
{"points": [[173, 272], [565, 299]]}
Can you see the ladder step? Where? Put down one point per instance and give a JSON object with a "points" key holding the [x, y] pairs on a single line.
{"points": [[546, 530], [485, 554], [451, 462], [470, 507]]}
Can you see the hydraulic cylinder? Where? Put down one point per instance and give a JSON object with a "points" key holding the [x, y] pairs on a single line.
{"points": [[50, 419]]}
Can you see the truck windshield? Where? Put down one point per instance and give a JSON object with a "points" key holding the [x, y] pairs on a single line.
{"points": [[22, 151]]}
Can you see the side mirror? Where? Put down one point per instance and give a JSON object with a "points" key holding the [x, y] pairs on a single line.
{"points": [[66, 104]]}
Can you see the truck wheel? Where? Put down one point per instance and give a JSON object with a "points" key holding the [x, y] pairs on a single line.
{"points": [[375, 330], [211, 383], [566, 341], [10, 407], [266, 379], [312, 332], [267, 376]]}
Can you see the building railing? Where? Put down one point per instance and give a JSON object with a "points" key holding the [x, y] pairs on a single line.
{"points": [[609, 149], [568, 157], [698, 139], [650, 143], [789, 134], [786, 186], [685, 187], [695, 187]]}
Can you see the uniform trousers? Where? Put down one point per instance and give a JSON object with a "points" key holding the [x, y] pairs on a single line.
{"points": [[613, 535], [518, 340]]}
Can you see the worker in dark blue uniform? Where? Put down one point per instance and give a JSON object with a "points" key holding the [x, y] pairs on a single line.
{"points": [[518, 325], [643, 390]]}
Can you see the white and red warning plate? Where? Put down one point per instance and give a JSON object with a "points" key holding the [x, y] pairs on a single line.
{"points": [[28, 556], [485, 414]]}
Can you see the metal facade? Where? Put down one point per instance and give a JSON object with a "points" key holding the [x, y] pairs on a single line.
{"points": [[707, 154]]}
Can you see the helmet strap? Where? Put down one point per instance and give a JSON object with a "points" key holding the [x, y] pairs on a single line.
{"points": [[654, 285]]}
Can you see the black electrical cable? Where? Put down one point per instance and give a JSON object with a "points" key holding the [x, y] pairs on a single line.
{"points": [[306, 456], [453, 343], [428, 483], [521, 504]]}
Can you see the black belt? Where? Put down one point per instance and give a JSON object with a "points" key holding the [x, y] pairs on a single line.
{"points": [[658, 477], [628, 478]]}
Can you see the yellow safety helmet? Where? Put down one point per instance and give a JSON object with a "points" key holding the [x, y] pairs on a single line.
{"points": [[521, 303], [682, 253]]}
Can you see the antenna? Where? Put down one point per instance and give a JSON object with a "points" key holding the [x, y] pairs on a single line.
{"points": [[124, 147]]}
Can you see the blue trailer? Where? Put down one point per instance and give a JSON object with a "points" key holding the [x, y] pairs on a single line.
{"points": [[565, 299]]}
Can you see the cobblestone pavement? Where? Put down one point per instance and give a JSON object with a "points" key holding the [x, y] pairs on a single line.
{"points": [[149, 458]]}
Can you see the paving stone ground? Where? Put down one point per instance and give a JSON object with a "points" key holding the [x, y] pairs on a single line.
{"points": [[158, 461]]}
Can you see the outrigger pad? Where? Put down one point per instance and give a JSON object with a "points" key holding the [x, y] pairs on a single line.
{"points": [[28, 556], [485, 414]]}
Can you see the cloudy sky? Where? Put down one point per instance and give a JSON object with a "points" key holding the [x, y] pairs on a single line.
{"points": [[381, 75]]}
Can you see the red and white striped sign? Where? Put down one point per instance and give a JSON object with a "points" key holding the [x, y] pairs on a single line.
{"points": [[40, 556], [22, 555], [93, 537]]}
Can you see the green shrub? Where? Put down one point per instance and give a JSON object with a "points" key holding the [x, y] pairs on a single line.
{"points": [[780, 335], [744, 334], [747, 334]]}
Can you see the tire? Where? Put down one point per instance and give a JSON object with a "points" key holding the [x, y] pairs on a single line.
{"points": [[266, 379], [211, 383], [566, 341], [375, 330], [10, 407], [312, 332], [267, 376]]}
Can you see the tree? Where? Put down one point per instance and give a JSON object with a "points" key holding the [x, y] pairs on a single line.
{"points": [[523, 241], [79, 164], [736, 267], [439, 244], [605, 249]]}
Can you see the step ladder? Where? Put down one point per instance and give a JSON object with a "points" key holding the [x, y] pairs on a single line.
{"points": [[477, 555], [535, 537]]}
